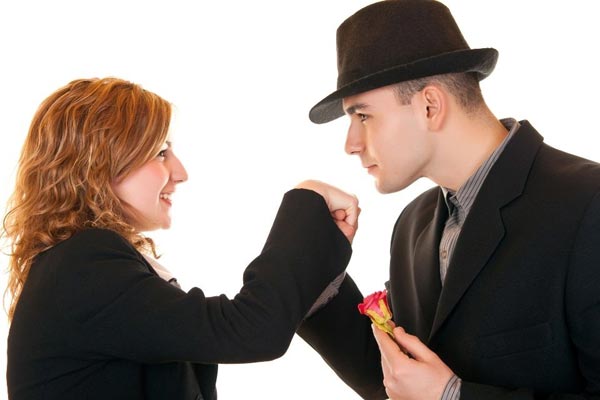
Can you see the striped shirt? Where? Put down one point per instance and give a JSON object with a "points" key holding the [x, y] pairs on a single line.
{"points": [[459, 204]]}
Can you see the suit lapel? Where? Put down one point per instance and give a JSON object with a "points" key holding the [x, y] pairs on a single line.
{"points": [[484, 229], [481, 234], [427, 273]]}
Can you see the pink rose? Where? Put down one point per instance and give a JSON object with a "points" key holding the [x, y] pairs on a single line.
{"points": [[375, 306]]}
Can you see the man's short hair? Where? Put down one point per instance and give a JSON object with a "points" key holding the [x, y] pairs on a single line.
{"points": [[463, 86]]}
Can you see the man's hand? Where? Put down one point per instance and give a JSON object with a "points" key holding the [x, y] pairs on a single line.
{"points": [[411, 371], [343, 206]]}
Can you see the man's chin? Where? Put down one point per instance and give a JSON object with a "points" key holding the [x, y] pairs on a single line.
{"points": [[384, 188]]}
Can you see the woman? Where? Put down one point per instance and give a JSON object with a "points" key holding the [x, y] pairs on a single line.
{"points": [[90, 316]]}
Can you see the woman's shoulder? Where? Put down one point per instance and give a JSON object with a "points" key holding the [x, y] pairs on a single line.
{"points": [[95, 237], [89, 247], [91, 241], [89, 270]]}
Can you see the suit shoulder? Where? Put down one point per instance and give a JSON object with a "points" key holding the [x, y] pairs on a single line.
{"points": [[88, 247], [564, 172], [88, 271], [98, 236], [568, 165], [94, 239]]}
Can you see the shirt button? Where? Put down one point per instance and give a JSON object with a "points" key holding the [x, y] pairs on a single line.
{"points": [[444, 254]]}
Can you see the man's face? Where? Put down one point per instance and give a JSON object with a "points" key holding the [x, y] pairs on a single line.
{"points": [[390, 138]]}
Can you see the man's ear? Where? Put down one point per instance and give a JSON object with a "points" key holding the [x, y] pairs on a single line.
{"points": [[432, 102]]}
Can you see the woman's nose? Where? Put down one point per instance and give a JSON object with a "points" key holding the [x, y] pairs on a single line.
{"points": [[178, 172]]}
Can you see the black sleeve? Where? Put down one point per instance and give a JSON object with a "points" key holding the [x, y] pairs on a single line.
{"points": [[115, 307], [344, 338]]}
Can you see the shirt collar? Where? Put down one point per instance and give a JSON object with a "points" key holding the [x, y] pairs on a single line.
{"points": [[465, 196]]}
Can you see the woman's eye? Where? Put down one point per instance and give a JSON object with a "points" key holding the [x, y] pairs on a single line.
{"points": [[162, 153]]}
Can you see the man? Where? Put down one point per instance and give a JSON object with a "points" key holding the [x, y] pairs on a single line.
{"points": [[494, 274]]}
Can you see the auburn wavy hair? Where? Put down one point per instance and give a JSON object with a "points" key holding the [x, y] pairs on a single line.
{"points": [[82, 138]]}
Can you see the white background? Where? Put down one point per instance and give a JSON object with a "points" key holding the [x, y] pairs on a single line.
{"points": [[242, 76]]}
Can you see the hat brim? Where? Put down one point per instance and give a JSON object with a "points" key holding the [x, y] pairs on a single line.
{"points": [[480, 61]]}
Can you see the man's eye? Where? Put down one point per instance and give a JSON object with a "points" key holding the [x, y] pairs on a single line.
{"points": [[362, 117]]}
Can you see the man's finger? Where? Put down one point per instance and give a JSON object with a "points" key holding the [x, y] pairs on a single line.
{"points": [[417, 349], [387, 346]]}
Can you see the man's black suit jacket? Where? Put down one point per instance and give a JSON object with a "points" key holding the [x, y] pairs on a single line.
{"points": [[518, 316], [95, 321]]}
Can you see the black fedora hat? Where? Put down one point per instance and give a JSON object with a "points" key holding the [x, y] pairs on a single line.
{"points": [[394, 41]]}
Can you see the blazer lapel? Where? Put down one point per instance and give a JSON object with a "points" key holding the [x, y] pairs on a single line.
{"points": [[427, 272], [483, 229]]}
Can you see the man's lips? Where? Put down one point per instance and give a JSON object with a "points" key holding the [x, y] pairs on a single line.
{"points": [[370, 167]]}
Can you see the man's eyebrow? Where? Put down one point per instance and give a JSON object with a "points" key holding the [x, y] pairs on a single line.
{"points": [[356, 107]]}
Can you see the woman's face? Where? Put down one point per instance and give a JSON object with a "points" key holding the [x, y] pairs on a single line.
{"points": [[148, 190]]}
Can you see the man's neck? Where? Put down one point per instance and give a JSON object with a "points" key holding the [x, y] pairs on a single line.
{"points": [[466, 143]]}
